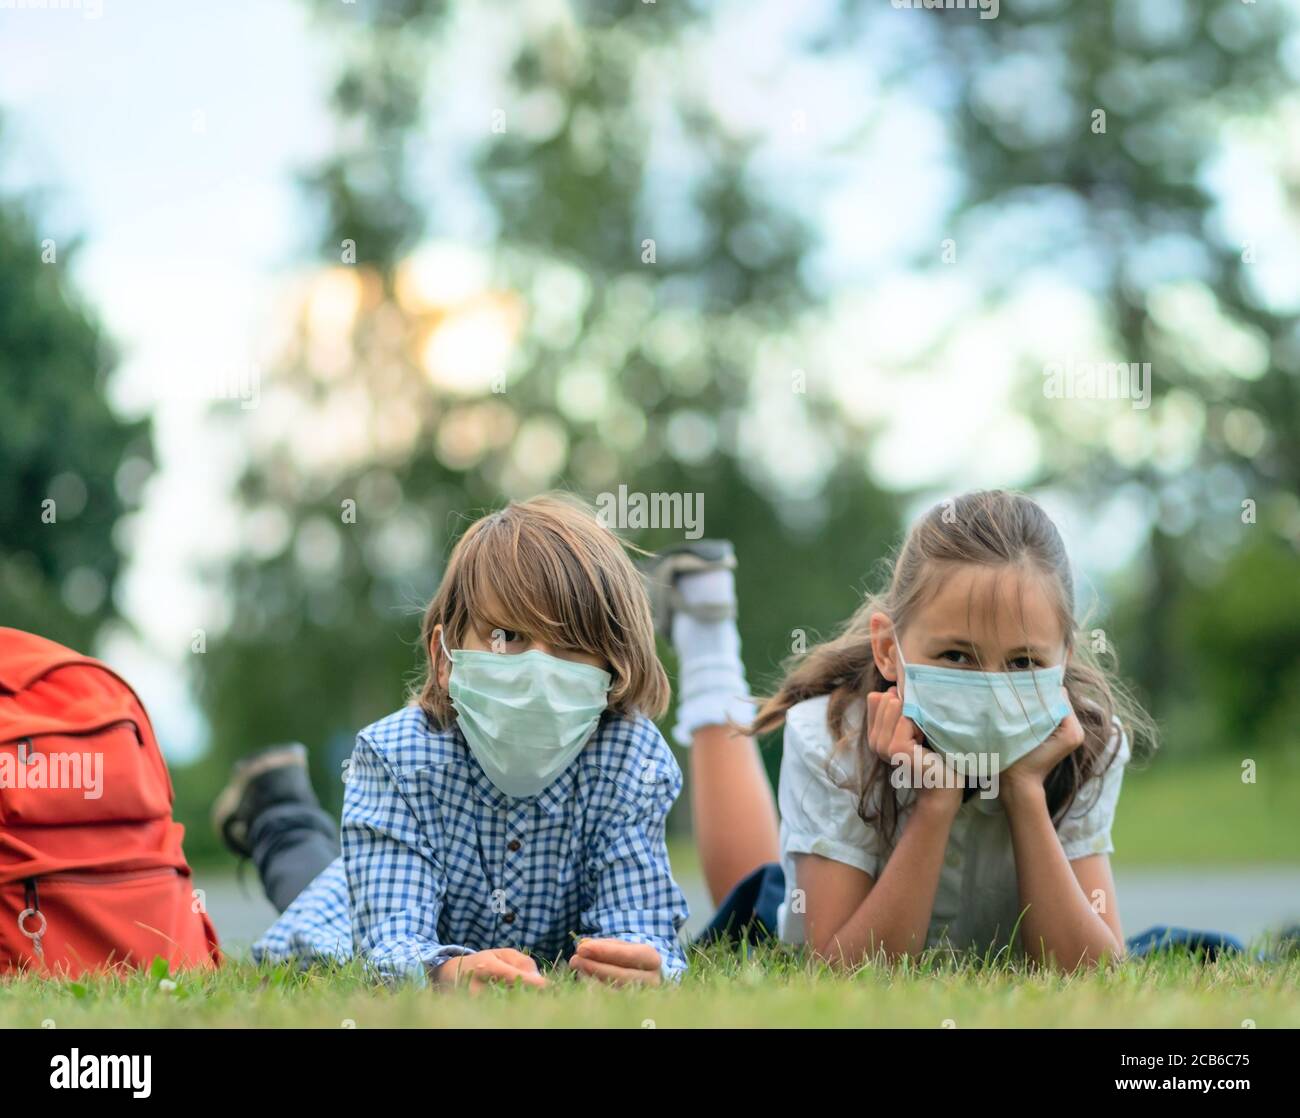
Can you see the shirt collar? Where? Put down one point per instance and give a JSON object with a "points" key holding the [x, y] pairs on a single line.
{"points": [[550, 799]]}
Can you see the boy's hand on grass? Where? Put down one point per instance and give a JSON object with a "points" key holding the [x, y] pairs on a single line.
{"points": [[616, 961], [501, 964]]}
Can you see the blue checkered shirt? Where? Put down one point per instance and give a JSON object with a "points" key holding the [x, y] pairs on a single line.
{"points": [[437, 862]]}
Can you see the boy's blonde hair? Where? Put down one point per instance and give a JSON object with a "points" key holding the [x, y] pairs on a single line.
{"points": [[546, 567]]}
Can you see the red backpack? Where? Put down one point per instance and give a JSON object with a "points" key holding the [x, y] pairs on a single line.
{"points": [[92, 875]]}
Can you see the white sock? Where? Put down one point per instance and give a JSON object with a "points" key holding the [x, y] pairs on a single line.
{"points": [[711, 678]]}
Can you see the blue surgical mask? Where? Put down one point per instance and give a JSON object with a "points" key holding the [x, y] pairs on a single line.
{"points": [[525, 715], [1003, 715]]}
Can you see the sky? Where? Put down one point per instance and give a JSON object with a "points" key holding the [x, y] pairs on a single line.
{"points": [[167, 138]]}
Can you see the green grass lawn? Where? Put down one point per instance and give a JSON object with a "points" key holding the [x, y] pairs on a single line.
{"points": [[1178, 815], [771, 988], [1199, 813]]}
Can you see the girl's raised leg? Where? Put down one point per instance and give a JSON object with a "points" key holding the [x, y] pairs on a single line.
{"points": [[732, 806]]}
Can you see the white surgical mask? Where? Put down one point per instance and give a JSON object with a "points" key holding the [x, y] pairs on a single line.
{"points": [[1002, 715], [525, 715]]}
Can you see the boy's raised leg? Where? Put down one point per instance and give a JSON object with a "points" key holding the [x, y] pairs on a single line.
{"points": [[268, 812]]}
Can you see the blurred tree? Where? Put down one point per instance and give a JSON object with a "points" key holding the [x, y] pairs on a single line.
{"points": [[71, 467], [641, 281], [635, 329], [1097, 133], [1249, 618]]}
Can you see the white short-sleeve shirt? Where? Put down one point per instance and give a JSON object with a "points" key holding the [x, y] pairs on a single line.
{"points": [[977, 903]]}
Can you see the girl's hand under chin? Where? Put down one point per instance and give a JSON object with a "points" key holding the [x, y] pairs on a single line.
{"points": [[1031, 770], [895, 739]]}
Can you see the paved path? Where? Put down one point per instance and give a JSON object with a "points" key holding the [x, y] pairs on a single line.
{"points": [[1244, 902]]}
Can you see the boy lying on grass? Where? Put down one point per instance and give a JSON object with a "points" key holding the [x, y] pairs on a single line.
{"points": [[517, 805]]}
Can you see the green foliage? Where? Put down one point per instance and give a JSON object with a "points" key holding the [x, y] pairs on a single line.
{"points": [[1123, 208], [654, 379], [673, 345], [60, 440], [314, 654], [1241, 638], [1203, 810]]}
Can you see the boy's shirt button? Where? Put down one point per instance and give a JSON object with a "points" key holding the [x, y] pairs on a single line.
{"points": [[508, 918], [513, 845]]}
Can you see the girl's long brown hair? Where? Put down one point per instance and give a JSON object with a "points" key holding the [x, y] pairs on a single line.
{"points": [[990, 528]]}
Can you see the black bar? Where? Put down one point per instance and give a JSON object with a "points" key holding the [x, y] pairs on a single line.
{"points": [[336, 1066]]}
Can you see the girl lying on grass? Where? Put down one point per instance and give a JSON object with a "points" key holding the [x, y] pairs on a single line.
{"points": [[953, 758]]}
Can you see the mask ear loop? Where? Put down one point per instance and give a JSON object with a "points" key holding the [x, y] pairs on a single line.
{"points": [[898, 652], [902, 675], [970, 787], [442, 640]]}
